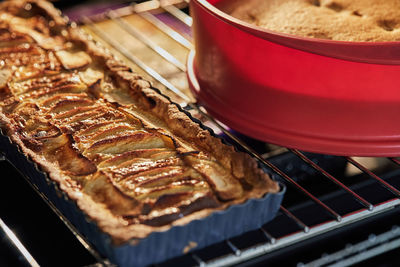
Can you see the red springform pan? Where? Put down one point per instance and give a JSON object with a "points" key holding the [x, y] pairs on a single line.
{"points": [[323, 96]]}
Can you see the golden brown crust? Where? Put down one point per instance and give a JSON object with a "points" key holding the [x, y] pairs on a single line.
{"points": [[344, 20], [132, 161]]}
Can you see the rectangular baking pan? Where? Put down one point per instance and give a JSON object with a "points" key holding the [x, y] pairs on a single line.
{"points": [[158, 246]]}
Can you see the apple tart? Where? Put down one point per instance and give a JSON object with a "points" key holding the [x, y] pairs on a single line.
{"points": [[132, 160]]}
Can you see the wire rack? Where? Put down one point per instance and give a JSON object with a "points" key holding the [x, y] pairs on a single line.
{"points": [[163, 30]]}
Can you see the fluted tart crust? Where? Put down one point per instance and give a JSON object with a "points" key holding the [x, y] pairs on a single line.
{"points": [[132, 161]]}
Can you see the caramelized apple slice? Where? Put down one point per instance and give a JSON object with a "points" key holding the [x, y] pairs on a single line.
{"points": [[91, 76], [73, 60], [182, 175], [141, 166], [140, 153], [172, 206], [224, 183], [87, 132], [86, 120], [49, 91], [186, 186], [103, 132], [61, 151], [132, 184], [78, 113], [155, 156], [102, 190], [121, 144], [26, 109], [47, 66], [113, 131], [37, 83], [33, 128], [12, 39], [5, 75], [52, 100], [44, 41], [69, 104]]}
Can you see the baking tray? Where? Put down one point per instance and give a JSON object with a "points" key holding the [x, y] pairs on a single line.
{"points": [[158, 246]]}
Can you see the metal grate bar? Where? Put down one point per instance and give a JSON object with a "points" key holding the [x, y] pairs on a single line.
{"points": [[296, 237], [271, 239], [385, 184], [360, 199], [166, 29], [300, 223], [199, 261], [235, 250], [179, 14], [132, 58], [148, 42], [17, 244], [355, 253], [362, 256], [395, 160]]}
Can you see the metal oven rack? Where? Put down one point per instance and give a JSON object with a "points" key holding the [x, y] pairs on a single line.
{"points": [[176, 28]]}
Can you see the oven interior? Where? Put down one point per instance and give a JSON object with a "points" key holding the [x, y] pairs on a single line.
{"points": [[337, 211]]}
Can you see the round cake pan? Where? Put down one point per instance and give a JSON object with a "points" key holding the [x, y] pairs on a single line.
{"points": [[316, 95]]}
